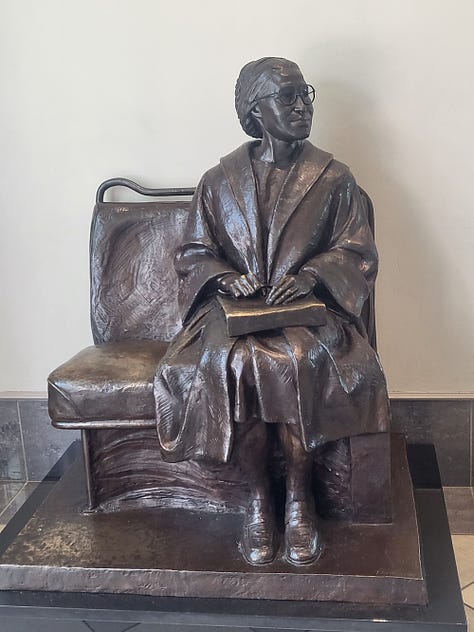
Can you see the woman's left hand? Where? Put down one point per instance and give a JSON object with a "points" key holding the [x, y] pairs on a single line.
{"points": [[290, 288], [239, 285]]}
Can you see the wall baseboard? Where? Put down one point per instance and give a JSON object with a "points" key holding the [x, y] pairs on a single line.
{"points": [[30, 445]]}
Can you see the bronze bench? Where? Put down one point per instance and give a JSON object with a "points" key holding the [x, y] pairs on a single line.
{"points": [[106, 389]]}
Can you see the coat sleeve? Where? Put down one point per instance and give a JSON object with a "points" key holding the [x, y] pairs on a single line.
{"points": [[199, 261], [348, 266]]}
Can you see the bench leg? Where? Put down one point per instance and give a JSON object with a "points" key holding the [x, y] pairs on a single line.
{"points": [[85, 435]]}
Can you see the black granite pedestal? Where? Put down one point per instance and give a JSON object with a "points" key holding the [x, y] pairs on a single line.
{"points": [[38, 611]]}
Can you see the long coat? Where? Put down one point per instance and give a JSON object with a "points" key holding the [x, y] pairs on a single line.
{"points": [[332, 377]]}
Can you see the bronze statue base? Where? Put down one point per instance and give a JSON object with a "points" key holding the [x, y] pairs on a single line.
{"points": [[176, 552]]}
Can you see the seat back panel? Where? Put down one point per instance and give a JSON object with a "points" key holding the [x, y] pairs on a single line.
{"points": [[134, 285]]}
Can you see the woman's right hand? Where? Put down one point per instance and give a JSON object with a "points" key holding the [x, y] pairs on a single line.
{"points": [[239, 285]]}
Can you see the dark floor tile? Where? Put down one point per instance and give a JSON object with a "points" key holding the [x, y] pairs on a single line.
{"points": [[443, 423], [12, 463], [460, 508], [43, 443], [109, 626], [8, 491], [15, 624], [26, 489]]}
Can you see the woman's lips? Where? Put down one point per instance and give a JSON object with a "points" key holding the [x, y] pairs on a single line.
{"points": [[302, 121]]}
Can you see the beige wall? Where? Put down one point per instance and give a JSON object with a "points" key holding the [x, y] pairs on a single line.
{"points": [[143, 89]]}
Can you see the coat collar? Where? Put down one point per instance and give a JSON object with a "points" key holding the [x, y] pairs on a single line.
{"points": [[304, 172], [237, 167]]}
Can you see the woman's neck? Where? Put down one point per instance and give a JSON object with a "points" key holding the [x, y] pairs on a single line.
{"points": [[272, 149]]}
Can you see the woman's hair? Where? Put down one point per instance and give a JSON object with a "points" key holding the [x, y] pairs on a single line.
{"points": [[255, 81]]}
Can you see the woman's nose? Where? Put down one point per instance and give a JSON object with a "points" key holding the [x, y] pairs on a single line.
{"points": [[299, 104]]}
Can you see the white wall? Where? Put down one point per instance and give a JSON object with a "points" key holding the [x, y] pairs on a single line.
{"points": [[144, 89]]}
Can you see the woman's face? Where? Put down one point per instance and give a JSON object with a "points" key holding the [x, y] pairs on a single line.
{"points": [[285, 122]]}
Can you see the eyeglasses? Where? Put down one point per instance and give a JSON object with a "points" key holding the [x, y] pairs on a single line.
{"points": [[288, 95]]}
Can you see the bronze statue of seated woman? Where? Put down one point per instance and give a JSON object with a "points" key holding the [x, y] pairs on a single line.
{"points": [[282, 220]]}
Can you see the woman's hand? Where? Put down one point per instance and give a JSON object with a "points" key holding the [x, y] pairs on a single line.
{"points": [[290, 288], [238, 285]]}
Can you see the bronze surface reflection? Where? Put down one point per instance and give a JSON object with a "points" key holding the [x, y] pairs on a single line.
{"points": [[280, 219], [234, 368], [135, 551]]}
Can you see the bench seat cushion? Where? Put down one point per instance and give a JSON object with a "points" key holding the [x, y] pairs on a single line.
{"points": [[110, 381]]}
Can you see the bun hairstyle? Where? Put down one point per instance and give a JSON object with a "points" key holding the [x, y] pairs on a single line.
{"points": [[255, 81]]}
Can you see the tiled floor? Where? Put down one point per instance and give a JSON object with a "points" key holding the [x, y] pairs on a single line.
{"points": [[460, 507], [8, 491], [459, 504], [12, 496]]}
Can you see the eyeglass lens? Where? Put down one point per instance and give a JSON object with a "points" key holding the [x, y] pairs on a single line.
{"points": [[288, 95]]}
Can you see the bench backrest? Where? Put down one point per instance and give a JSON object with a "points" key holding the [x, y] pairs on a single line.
{"points": [[133, 282]]}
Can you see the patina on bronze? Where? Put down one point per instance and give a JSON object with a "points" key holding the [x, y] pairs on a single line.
{"points": [[287, 425], [182, 553], [280, 214], [254, 314]]}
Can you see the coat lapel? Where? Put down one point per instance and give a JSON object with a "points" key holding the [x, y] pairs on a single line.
{"points": [[238, 171], [303, 174]]}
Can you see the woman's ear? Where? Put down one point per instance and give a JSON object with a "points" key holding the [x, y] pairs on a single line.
{"points": [[255, 111]]}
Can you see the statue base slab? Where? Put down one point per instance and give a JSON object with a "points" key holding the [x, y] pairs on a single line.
{"points": [[61, 611], [183, 553]]}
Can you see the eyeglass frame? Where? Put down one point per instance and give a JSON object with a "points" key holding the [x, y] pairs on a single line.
{"points": [[297, 94]]}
